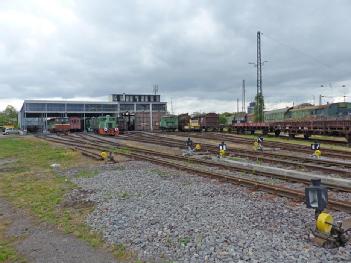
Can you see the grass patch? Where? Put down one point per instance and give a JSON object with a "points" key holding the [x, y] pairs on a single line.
{"points": [[123, 195], [159, 172], [121, 150], [7, 250], [184, 241], [87, 173], [32, 184], [236, 158]]}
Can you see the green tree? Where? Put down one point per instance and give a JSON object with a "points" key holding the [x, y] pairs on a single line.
{"points": [[222, 119], [259, 107], [9, 116]]}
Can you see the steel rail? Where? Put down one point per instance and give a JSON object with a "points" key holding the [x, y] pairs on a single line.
{"points": [[276, 190], [287, 159], [285, 145], [231, 167]]}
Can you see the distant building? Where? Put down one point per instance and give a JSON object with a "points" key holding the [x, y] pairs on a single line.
{"points": [[134, 98], [251, 107], [146, 111]]}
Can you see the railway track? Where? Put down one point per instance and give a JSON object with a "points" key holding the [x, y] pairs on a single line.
{"points": [[341, 169], [322, 141], [338, 154], [90, 149]]}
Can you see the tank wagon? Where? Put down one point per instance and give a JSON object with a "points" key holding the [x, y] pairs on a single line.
{"points": [[169, 123], [104, 125], [59, 125]]}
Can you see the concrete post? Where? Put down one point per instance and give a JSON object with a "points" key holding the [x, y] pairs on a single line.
{"points": [[151, 128]]}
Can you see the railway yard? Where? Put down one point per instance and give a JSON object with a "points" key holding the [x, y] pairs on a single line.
{"points": [[163, 202]]}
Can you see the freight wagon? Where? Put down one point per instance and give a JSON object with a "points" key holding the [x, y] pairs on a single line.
{"points": [[183, 121], [209, 122], [75, 124], [169, 123], [330, 119]]}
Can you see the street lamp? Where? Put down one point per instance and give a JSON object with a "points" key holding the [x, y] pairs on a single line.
{"points": [[320, 96]]}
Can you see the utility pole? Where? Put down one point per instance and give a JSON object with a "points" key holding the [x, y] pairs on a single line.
{"points": [[155, 89], [172, 112], [259, 64], [259, 107], [237, 105], [243, 99]]}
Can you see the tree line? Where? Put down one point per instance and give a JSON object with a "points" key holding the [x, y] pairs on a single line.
{"points": [[9, 116]]}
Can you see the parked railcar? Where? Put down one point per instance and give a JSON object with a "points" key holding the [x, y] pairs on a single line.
{"points": [[276, 115], [209, 122], [75, 124], [239, 117], [59, 125], [104, 125], [169, 123], [183, 121], [339, 110], [194, 123], [302, 112]]}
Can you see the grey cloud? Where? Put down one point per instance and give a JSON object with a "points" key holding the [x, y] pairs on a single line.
{"points": [[189, 48]]}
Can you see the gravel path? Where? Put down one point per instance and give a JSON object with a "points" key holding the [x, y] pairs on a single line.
{"points": [[40, 242], [164, 214]]}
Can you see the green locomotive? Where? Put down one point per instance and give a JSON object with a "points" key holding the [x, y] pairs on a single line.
{"points": [[169, 123], [103, 125]]}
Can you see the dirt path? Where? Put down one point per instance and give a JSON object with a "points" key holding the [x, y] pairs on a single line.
{"points": [[41, 242]]}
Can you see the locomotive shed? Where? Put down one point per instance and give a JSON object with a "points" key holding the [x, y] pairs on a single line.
{"points": [[166, 206], [143, 111]]}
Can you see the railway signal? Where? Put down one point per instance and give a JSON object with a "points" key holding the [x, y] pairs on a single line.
{"points": [[258, 143], [316, 147], [326, 233], [222, 149], [189, 144]]}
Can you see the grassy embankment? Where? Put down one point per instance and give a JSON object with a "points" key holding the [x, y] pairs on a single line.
{"points": [[29, 182]]}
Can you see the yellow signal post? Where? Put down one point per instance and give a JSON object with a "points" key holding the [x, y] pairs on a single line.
{"points": [[324, 223], [318, 153], [198, 147], [104, 155], [255, 146], [222, 153]]}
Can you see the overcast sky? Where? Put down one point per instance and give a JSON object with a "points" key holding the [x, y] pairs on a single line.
{"points": [[196, 51]]}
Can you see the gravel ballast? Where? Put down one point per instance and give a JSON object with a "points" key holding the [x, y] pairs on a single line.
{"points": [[167, 215]]}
